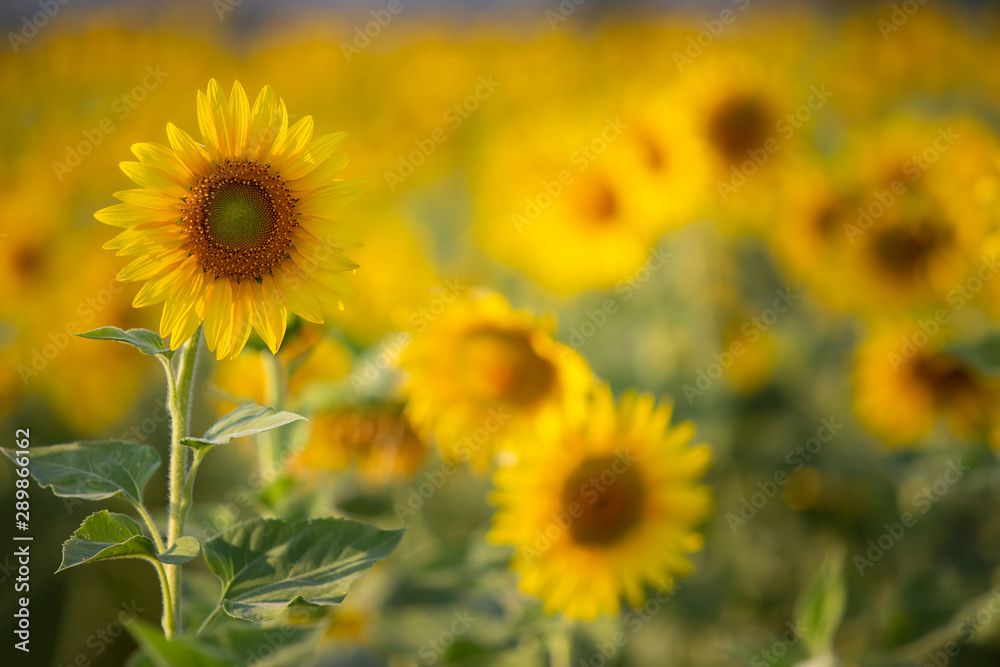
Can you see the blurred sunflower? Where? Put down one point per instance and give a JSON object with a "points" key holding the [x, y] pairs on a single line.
{"points": [[600, 511], [379, 440], [236, 232], [741, 111], [900, 223], [578, 205], [482, 373], [905, 383]]}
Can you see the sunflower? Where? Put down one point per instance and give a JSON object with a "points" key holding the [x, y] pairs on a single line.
{"points": [[378, 439], [600, 510], [481, 373], [905, 383], [235, 232], [899, 223], [578, 205]]}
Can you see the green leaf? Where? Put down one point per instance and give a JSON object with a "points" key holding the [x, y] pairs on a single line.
{"points": [[821, 605], [105, 535], [160, 652], [94, 470], [184, 549], [244, 420], [267, 565], [146, 341]]}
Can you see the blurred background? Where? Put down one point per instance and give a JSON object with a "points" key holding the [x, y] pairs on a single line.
{"points": [[792, 208]]}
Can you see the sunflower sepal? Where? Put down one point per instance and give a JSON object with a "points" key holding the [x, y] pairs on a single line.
{"points": [[146, 341]]}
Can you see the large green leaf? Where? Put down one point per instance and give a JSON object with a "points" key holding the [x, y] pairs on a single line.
{"points": [[94, 470], [244, 420], [186, 651], [146, 341], [267, 565], [105, 535]]}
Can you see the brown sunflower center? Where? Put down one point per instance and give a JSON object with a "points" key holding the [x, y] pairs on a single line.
{"points": [[905, 251], [240, 220], [738, 125], [606, 496], [600, 204], [946, 378], [498, 365]]}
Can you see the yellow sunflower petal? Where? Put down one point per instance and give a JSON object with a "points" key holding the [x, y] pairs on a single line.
{"points": [[303, 162], [193, 155], [239, 110], [332, 197], [219, 316], [164, 158]]}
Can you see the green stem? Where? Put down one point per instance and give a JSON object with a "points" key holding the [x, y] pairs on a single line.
{"points": [[168, 604], [144, 513], [187, 495], [560, 645], [269, 452], [208, 621], [180, 413]]}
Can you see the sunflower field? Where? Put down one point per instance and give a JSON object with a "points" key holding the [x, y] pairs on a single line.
{"points": [[557, 333]]}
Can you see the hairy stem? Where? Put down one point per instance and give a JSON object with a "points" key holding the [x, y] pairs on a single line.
{"points": [[168, 618], [154, 531], [269, 451], [180, 414]]}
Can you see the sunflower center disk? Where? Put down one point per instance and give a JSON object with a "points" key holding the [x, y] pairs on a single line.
{"points": [[502, 366], [240, 220], [606, 495]]}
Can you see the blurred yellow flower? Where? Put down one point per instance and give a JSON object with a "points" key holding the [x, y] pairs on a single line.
{"points": [[905, 384], [482, 375], [377, 439], [600, 511], [236, 232]]}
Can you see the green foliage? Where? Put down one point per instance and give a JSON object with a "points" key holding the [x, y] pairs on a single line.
{"points": [[94, 470], [245, 420], [184, 549], [821, 605], [105, 535], [144, 340], [267, 565]]}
